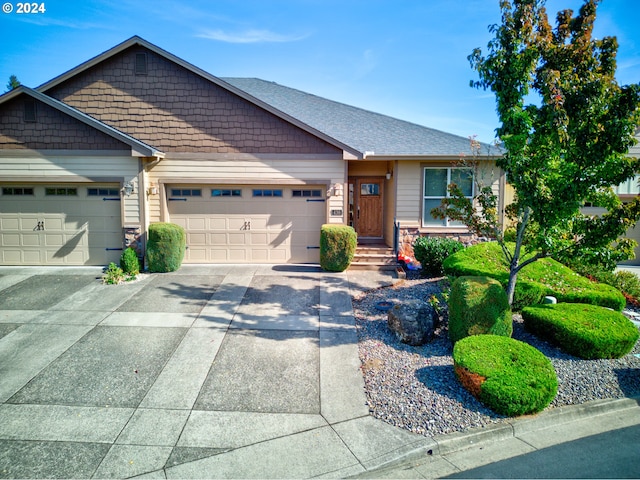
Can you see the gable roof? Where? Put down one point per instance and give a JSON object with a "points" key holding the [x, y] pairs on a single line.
{"points": [[138, 148], [137, 41], [357, 131], [366, 131]]}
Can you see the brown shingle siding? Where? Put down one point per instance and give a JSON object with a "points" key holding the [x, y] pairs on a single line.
{"points": [[52, 130], [199, 115]]}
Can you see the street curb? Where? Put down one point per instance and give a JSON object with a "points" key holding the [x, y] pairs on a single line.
{"points": [[511, 428]]}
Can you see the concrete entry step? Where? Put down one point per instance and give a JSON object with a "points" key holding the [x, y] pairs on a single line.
{"points": [[374, 257]]}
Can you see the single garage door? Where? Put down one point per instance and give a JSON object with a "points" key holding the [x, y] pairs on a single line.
{"points": [[60, 224], [249, 224]]}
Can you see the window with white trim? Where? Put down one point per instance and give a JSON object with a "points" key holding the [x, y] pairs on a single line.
{"points": [[434, 189]]}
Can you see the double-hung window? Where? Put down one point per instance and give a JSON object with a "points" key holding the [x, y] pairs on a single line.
{"points": [[435, 183]]}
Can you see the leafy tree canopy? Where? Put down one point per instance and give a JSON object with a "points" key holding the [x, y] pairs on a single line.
{"points": [[566, 127]]}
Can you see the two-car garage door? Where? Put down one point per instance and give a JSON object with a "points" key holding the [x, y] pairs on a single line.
{"points": [[73, 224], [249, 224]]}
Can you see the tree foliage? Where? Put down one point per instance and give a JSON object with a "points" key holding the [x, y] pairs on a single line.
{"points": [[566, 127], [13, 83]]}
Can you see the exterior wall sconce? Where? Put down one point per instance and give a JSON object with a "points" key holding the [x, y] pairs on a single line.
{"points": [[129, 188], [153, 189], [389, 175], [335, 190]]}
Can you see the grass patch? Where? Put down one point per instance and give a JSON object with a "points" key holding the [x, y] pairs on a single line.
{"points": [[543, 277]]}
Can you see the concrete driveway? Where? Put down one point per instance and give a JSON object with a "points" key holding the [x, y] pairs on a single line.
{"points": [[208, 372]]}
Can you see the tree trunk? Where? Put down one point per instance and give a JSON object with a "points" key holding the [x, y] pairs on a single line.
{"points": [[511, 285]]}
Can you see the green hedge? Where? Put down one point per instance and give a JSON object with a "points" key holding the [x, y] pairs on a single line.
{"points": [[432, 251], [478, 305], [585, 331], [337, 247], [508, 376], [166, 247], [540, 278]]}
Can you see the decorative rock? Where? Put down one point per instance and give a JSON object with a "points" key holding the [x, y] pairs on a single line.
{"points": [[413, 322]]}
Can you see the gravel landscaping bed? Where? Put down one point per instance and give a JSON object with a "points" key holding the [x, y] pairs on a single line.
{"points": [[415, 388]]}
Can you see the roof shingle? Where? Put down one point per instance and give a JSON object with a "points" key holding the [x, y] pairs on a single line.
{"points": [[361, 129]]}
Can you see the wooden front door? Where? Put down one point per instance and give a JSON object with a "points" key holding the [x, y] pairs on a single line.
{"points": [[369, 202]]}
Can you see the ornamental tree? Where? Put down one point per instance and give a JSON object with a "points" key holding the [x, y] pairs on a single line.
{"points": [[566, 128]]}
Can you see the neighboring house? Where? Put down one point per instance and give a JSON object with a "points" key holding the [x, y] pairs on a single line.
{"points": [[250, 168]]}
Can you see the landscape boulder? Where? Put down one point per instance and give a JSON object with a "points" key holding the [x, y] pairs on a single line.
{"points": [[413, 322]]}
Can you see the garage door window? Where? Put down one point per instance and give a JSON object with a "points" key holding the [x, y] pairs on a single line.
{"points": [[17, 191], [260, 192], [61, 192], [186, 192], [226, 192], [102, 192], [307, 193]]}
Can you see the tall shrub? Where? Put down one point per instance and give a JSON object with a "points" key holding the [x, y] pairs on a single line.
{"points": [[337, 247], [166, 247], [478, 305]]}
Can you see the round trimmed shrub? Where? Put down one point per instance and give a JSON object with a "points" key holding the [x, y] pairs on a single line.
{"points": [[509, 376], [337, 247], [432, 251], [585, 331], [166, 247], [478, 305]]}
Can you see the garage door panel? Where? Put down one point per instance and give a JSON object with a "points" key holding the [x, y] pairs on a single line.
{"points": [[217, 239], [198, 254], [246, 228], [28, 223], [11, 240], [262, 223], [73, 228], [196, 223], [217, 223], [235, 223], [9, 224], [31, 257], [51, 240], [236, 239], [197, 238], [32, 240]]}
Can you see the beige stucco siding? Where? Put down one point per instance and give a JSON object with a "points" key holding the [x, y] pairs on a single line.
{"points": [[75, 169]]}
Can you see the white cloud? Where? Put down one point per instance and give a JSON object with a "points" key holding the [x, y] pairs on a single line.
{"points": [[250, 36]]}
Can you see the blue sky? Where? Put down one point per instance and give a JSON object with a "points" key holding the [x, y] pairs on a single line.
{"points": [[404, 58]]}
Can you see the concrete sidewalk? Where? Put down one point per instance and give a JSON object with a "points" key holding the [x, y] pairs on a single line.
{"points": [[209, 372]]}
